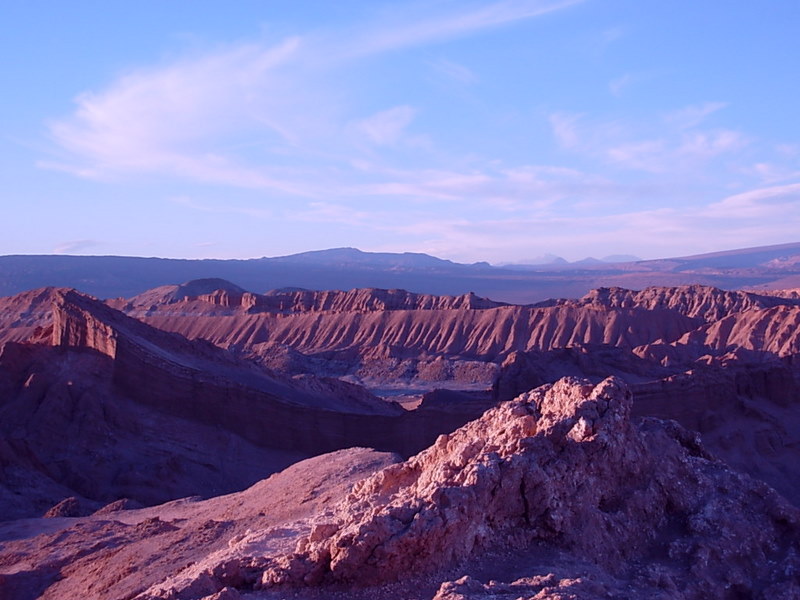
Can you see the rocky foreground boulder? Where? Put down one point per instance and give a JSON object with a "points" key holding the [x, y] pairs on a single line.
{"points": [[599, 506]]}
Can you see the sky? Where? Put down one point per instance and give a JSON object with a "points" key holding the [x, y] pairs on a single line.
{"points": [[471, 130]]}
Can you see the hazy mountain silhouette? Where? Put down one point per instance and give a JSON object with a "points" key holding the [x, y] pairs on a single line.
{"points": [[768, 267]]}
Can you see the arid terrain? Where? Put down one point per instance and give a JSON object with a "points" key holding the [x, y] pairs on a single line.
{"points": [[400, 300], [204, 441]]}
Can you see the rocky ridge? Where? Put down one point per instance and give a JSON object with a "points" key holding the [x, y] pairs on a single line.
{"points": [[699, 354], [222, 293], [391, 334], [360, 319]]}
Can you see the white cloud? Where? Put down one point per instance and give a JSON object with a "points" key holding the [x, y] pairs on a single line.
{"points": [[178, 120], [788, 150], [650, 233], [708, 144], [235, 115], [275, 118], [328, 212], [173, 106], [613, 34], [646, 155]]}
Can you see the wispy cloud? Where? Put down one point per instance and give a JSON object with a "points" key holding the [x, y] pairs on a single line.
{"points": [[565, 129], [75, 246], [769, 172], [468, 19], [618, 84], [781, 200], [283, 120], [678, 147], [612, 34], [657, 231], [188, 202], [526, 188], [328, 212], [692, 116], [178, 120], [387, 126], [454, 71], [240, 115]]}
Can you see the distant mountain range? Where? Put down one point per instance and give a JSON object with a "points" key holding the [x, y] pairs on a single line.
{"points": [[552, 259], [766, 267]]}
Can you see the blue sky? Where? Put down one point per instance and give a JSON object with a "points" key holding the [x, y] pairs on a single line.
{"points": [[469, 130]]}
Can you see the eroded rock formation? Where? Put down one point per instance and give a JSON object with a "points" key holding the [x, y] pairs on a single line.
{"points": [[100, 406], [724, 362]]}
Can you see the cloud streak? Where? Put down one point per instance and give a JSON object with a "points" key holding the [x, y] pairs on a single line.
{"points": [[463, 22], [455, 71]]}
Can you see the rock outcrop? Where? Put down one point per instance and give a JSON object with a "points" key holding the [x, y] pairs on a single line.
{"points": [[561, 469]]}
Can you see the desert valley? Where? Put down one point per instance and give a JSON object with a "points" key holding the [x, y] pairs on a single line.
{"points": [[399, 300], [201, 440]]}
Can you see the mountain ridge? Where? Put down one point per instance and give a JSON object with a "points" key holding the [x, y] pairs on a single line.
{"points": [[764, 267]]}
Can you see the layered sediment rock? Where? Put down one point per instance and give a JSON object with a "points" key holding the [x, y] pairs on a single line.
{"points": [[222, 293], [488, 333], [697, 301]]}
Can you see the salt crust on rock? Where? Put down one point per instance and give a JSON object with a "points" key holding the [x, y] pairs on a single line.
{"points": [[562, 466]]}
